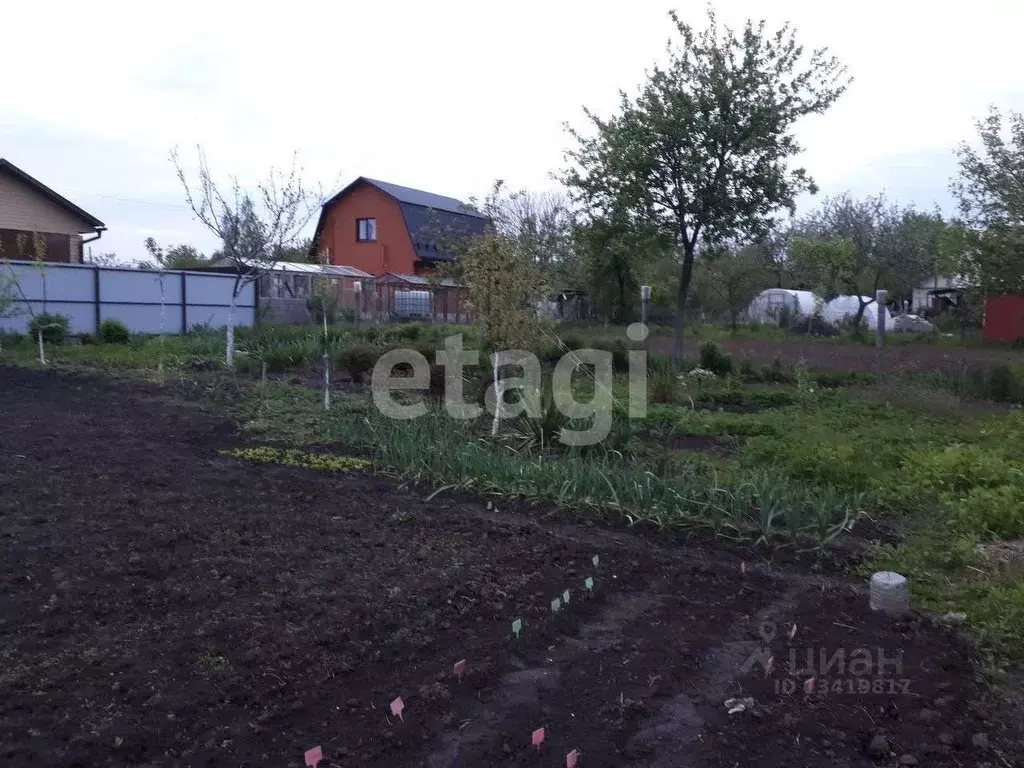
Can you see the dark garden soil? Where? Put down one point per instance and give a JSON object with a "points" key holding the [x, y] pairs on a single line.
{"points": [[834, 355], [164, 605]]}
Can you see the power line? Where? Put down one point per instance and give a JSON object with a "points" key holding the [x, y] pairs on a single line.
{"points": [[130, 199]]}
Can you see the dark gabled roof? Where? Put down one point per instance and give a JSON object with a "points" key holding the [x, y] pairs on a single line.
{"points": [[45, 191], [428, 217], [424, 199]]}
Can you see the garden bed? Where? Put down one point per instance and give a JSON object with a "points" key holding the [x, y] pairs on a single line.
{"points": [[166, 604]]}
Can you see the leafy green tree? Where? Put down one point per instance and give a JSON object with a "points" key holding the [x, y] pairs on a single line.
{"points": [[986, 248], [703, 151], [727, 278], [614, 252], [176, 256], [857, 247]]}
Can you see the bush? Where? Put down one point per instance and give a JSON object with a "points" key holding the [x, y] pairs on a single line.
{"points": [[775, 373], [1003, 385], [359, 361], [713, 359], [55, 328], [408, 332], [322, 303], [113, 331], [662, 386], [747, 370]]}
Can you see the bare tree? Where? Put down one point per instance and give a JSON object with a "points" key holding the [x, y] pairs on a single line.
{"points": [[255, 228]]}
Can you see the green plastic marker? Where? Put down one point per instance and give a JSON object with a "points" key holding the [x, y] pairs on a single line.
{"points": [[595, 560], [517, 627], [589, 583], [556, 605], [565, 597]]}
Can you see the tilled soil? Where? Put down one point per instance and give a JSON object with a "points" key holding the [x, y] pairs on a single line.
{"points": [[832, 355], [163, 605]]}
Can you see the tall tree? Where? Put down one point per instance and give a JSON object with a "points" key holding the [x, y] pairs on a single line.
{"points": [[255, 228], [703, 151], [614, 252], [987, 249], [726, 278], [180, 256], [857, 247]]}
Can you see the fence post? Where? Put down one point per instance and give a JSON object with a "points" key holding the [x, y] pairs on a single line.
{"points": [[96, 297], [880, 335], [184, 307]]}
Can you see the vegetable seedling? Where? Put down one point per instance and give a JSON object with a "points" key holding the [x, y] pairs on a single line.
{"points": [[314, 756], [595, 560], [565, 597], [517, 627], [556, 605], [589, 583]]}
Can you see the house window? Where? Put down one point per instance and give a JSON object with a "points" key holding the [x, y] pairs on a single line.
{"points": [[366, 230]]}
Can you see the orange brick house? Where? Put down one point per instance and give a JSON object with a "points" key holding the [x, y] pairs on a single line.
{"points": [[384, 228], [35, 220]]}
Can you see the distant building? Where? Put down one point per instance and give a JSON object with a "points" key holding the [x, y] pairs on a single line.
{"points": [[31, 213], [384, 228], [936, 294]]}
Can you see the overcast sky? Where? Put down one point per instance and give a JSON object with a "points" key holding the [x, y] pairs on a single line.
{"points": [[447, 96]]}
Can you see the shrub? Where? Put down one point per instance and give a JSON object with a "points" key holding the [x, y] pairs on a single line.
{"points": [[322, 303], [658, 364], [55, 328], [662, 386], [747, 370], [775, 373], [1003, 385], [713, 359], [408, 332], [573, 341], [113, 331], [359, 361]]}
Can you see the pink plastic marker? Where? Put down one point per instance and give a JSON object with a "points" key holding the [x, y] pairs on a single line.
{"points": [[396, 708], [459, 668], [314, 756], [809, 685], [538, 737], [571, 758]]}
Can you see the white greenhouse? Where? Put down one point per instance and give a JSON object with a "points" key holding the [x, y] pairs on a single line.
{"points": [[769, 305], [844, 308]]}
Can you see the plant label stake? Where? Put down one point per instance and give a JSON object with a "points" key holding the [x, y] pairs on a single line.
{"points": [[589, 584], [517, 627], [314, 756], [595, 560], [809, 685], [396, 708], [459, 669], [538, 738], [571, 758], [556, 605], [565, 597]]}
